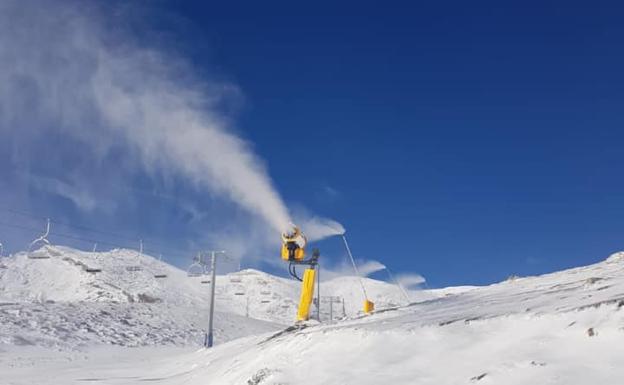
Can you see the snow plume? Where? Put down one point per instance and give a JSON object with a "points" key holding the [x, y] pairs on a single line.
{"points": [[369, 267], [68, 77], [317, 228], [410, 280], [365, 268]]}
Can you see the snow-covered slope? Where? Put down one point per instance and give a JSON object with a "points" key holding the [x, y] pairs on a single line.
{"points": [[65, 297], [560, 328]]}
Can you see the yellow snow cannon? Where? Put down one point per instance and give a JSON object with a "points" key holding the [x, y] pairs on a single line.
{"points": [[293, 245], [369, 306], [293, 252]]}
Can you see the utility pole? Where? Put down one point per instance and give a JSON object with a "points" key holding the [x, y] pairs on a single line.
{"points": [[213, 279]]}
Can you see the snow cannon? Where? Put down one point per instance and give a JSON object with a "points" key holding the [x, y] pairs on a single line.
{"points": [[369, 306], [293, 252], [293, 245]]}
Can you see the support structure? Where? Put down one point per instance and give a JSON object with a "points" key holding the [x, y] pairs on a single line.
{"points": [[407, 298], [310, 275], [369, 306], [42, 239], [332, 299], [2, 265], [208, 341]]}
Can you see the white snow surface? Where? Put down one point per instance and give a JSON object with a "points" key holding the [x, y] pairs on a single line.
{"points": [[561, 328], [54, 300]]}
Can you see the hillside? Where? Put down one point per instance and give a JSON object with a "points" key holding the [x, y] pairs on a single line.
{"points": [[561, 328], [69, 298]]}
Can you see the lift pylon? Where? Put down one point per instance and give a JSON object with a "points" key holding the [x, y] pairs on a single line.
{"points": [[43, 239]]}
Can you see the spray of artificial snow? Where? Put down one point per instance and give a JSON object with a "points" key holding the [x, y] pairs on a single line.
{"points": [[318, 228], [72, 77], [410, 280]]}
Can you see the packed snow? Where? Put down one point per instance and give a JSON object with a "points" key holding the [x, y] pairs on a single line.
{"points": [[63, 325]]}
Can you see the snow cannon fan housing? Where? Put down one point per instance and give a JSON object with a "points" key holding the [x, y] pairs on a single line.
{"points": [[293, 245]]}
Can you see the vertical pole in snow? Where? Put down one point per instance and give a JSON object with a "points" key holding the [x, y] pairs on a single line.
{"points": [[399, 285], [213, 264], [318, 292], [357, 273], [331, 309]]}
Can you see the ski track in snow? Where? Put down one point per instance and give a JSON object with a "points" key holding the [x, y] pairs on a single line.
{"points": [[559, 328]]}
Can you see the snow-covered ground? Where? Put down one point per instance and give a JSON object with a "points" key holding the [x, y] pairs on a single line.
{"points": [[67, 299], [561, 328]]}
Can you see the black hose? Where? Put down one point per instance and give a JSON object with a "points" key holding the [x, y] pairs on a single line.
{"points": [[293, 272]]}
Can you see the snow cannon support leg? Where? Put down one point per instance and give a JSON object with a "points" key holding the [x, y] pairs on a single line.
{"points": [[307, 292], [368, 306]]}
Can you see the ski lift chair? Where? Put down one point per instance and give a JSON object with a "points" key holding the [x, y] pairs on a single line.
{"points": [[137, 267], [161, 274], [265, 301], [42, 240], [195, 270]]}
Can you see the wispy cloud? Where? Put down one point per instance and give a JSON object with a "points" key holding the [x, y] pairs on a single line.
{"points": [[81, 198]]}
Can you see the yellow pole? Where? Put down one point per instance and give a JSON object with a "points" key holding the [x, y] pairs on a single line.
{"points": [[307, 292]]}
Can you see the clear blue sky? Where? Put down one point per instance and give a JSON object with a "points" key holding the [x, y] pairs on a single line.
{"points": [[465, 141]]}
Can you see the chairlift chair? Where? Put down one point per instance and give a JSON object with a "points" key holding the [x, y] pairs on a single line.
{"points": [[239, 293], [195, 270], [161, 274], [137, 267], [265, 301], [43, 239]]}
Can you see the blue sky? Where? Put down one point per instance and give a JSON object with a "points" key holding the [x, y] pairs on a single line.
{"points": [[463, 141]]}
